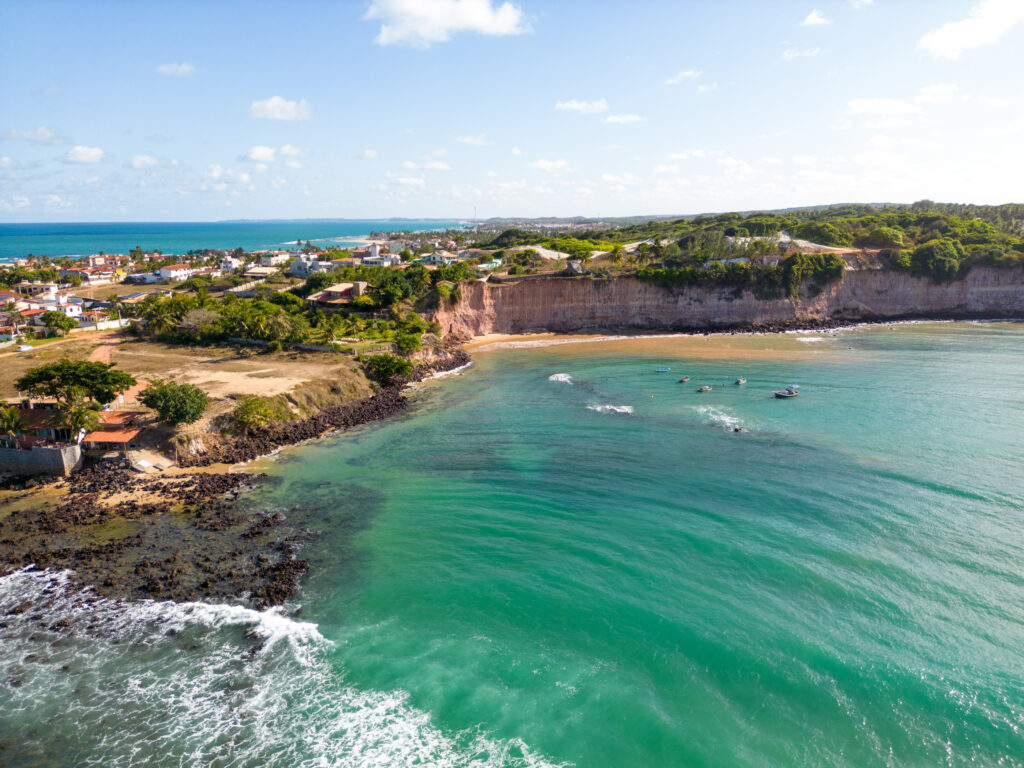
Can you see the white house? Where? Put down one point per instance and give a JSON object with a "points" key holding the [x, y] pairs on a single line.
{"points": [[273, 259], [176, 272], [382, 260], [230, 263]]}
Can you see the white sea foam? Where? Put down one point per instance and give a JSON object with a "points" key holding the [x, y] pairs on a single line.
{"points": [[565, 378], [165, 684], [611, 408], [453, 372], [810, 339], [719, 417]]}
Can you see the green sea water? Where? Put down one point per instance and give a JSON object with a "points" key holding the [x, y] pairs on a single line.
{"points": [[561, 556]]}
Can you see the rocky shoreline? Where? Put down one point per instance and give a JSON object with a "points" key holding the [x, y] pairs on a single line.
{"points": [[181, 537]]}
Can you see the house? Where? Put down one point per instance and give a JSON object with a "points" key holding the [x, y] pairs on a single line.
{"points": [[230, 263], [176, 272], [304, 266], [34, 289], [209, 272], [439, 259], [382, 260], [143, 278], [74, 311], [337, 294], [43, 427], [261, 272], [273, 259]]}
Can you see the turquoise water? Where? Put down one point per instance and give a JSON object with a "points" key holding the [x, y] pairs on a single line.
{"points": [[80, 239], [563, 557]]}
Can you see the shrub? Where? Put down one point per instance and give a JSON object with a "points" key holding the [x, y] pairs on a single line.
{"points": [[384, 368], [408, 342], [274, 346], [175, 403], [255, 411]]}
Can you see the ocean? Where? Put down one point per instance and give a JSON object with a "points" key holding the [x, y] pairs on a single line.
{"points": [[563, 557], [19, 240]]}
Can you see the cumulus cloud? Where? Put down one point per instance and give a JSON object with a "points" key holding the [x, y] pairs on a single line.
{"points": [[141, 162], [6, 162], [288, 150], [583, 107], [369, 154], [814, 18], [858, 4], [479, 140], [411, 182], [421, 23], [624, 119], [621, 179], [41, 135], [799, 53], [938, 93], [666, 168], [184, 69], [550, 166], [686, 74], [277, 108], [516, 151], [261, 154], [437, 165], [80, 154], [708, 87], [688, 154], [988, 22], [887, 107]]}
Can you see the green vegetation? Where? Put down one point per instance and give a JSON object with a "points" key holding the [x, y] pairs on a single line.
{"points": [[771, 281], [69, 380], [175, 403], [58, 321], [79, 415], [11, 421], [255, 411], [386, 368]]}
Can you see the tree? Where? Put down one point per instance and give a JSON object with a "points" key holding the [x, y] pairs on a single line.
{"points": [[78, 415], [11, 422], [175, 403], [66, 380], [58, 321], [616, 253], [385, 368]]}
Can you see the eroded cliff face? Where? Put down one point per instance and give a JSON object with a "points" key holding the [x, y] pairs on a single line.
{"points": [[569, 305]]}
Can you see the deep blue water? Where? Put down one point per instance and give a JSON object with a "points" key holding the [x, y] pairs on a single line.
{"points": [[79, 239]]}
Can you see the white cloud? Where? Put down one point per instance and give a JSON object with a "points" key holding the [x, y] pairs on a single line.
{"points": [[769, 160], [888, 107], [583, 107], [620, 179], [139, 162], [214, 172], [686, 74], [411, 182], [666, 168], [184, 69], [804, 159], [476, 141], [814, 19], [735, 167], [41, 135], [492, 174], [421, 23], [289, 150], [799, 53], [80, 154], [293, 163], [550, 166], [516, 151], [409, 165], [261, 154], [624, 119], [437, 165], [858, 4], [939, 93], [277, 108], [988, 22], [369, 154], [6, 162], [688, 154], [708, 87]]}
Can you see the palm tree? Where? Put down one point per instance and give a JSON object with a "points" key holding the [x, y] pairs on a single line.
{"points": [[78, 415], [616, 253], [11, 423]]}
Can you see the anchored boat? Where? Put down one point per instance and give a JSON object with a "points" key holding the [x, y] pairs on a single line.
{"points": [[741, 380], [791, 391], [662, 370], [684, 379], [705, 388]]}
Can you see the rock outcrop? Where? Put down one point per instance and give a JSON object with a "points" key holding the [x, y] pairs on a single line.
{"points": [[575, 305]]}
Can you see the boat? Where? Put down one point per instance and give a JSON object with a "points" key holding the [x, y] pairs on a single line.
{"points": [[741, 380], [662, 370], [705, 388], [791, 391], [684, 379]]}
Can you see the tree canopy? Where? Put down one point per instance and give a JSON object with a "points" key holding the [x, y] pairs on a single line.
{"points": [[70, 380], [175, 403]]}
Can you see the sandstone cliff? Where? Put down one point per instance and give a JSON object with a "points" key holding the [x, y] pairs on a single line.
{"points": [[567, 305]]}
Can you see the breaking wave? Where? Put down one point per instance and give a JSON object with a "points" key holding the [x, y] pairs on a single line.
{"points": [[565, 378], [720, 418], [611, 408], [183, 684]]}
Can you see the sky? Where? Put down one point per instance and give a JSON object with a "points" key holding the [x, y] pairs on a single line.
{"points": [[202, 110]]}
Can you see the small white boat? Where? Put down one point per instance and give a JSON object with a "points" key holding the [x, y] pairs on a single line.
{"points": [[791, 391], [741, 380], [705, 388]]}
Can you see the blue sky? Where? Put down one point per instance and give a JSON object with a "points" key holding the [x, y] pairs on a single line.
{"points": [[191, 110]]}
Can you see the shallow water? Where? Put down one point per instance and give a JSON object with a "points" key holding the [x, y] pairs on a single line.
{"points": [[561, 556]]}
